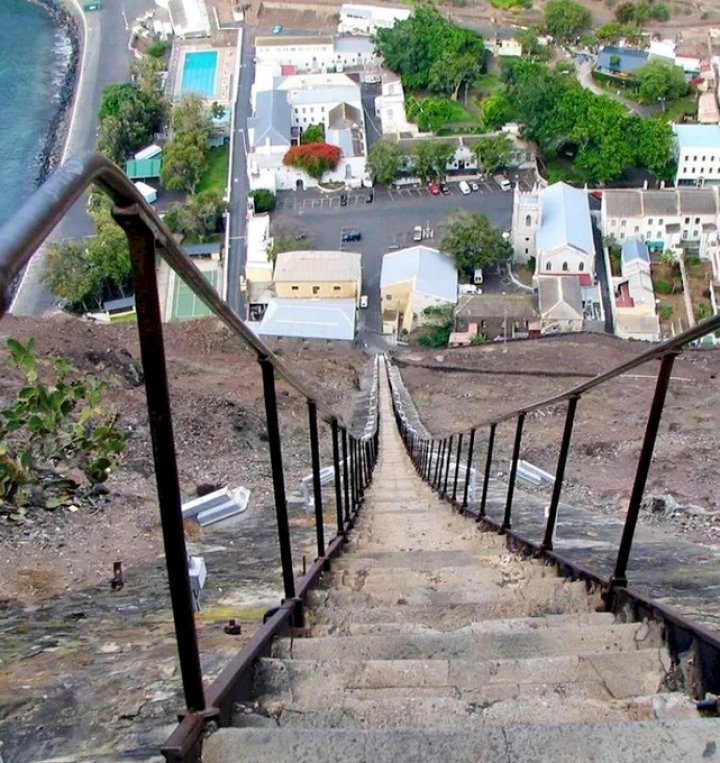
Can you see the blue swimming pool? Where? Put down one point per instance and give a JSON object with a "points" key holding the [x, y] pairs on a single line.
{"points": [[198, 74]]}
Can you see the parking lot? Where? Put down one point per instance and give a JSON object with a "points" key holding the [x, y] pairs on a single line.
{"points": [[385, 225]]}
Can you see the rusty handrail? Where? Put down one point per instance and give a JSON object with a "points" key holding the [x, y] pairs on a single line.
{"points": [[30, 226]]}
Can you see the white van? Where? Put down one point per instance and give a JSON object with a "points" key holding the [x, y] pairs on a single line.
{"points": [[503, 182], [478, 276], [464, 188]]}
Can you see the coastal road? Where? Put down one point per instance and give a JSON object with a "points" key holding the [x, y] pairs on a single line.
{"points": [[106, 59], [239, 185]]}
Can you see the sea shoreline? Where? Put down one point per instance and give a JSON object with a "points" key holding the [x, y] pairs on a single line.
{"points": [[63, 13]]}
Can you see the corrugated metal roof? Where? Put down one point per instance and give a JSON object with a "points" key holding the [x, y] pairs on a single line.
{"points": [[310, 319], [634, 249], [434, 273], [317, 266], [144, 168], [697, 136], [279, 41], [354, 45], [272, 119], [631, 59], [313, 94], [668, 202], [565, 219], [560, 297]]}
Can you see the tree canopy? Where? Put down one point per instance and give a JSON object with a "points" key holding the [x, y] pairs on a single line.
{"points": [[384, 161], [430, 157], [185, 156], [199, 218], [87, 272], [263, 199], [314, 158], [431, 53], [493, 152], [562, 117], [565, 19], [129, 117], [473, 241], [313, 134], [660, 81]]}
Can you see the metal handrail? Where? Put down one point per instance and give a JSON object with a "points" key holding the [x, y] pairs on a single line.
{"points": [[30, 226], [668, 347]]}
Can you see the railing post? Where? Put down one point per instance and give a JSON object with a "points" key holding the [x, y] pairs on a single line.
{"points": [[278, 477], [359, 466], [317, 487], [346, 478], [560, 473], [438, 464], [353, 474], [488, 467], [141, 242], [513, 472], [619, 576], [447, 465], [468, 467], [428, 470], [336, 469], [457, 467]]}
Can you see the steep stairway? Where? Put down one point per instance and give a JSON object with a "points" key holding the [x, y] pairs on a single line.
{"points": [[430, 641]]}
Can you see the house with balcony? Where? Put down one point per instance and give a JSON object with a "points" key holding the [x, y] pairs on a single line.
{"points": [[318, 54], [697, 154], [365, 20]]}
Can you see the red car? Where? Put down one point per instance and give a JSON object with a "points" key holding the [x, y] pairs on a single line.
{"points": [[434, 188], [596, 194]]}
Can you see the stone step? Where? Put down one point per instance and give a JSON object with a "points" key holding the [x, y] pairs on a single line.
{"points": [[631, 742], [398, 582], [534, 601], [603, 675], [522, 593], [545, 705], [424, 560], [454, 645], [499, 625]]}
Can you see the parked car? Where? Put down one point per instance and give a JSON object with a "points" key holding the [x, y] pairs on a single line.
{"points": [[417, 233], [596, 194], [474, 186], [363, 300], [277, 29], [373, 79], [352, 234], [464, 188], [370, 196], [433, 187], [343, 199], [444, 188]]}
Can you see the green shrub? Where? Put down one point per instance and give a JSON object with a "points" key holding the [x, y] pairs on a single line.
{"points": [[662, 286], [264, 200], [158, 49], [693, 260], [665, 312], [702, 311]]}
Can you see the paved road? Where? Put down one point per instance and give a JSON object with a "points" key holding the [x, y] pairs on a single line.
{"points": [[106, 60], [583, 72], [239, 186], [387, 222]]}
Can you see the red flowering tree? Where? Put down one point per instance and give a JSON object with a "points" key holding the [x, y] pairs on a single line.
{"points": [[314, 158]]}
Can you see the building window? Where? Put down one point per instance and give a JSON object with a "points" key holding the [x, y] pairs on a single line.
{"points": [[316, 289], [650, 221], [637, 229], [684, 235], [528, 220], [295, 288], [581, 267], [660, 221], [336, 288], [659, 235], [548, 266], [647, 236], [622, 223], [613, 223], [565, 266], [388, 296], [697, 221], [687, 221], [483, 324], [695, 234], [527, 251], [527, 238]]}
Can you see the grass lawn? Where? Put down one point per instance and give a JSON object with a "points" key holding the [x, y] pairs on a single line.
{"points": [[678, 109], [215, 175], [560, 169], [486, 84]]}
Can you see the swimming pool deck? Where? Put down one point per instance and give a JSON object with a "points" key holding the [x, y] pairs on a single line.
{"points": [[224, 68]]}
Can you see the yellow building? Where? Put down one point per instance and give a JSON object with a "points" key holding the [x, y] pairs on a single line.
{"points": [[318, 274]]}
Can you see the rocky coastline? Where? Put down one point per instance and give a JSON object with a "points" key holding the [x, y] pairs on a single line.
{"points": [[53, 143]]}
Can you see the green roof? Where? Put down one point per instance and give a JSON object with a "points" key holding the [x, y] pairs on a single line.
{"points": [[144, 168]]}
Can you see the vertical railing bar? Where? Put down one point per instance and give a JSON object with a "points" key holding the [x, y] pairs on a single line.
{"points": [[346, 475], [457, 467], [447, 465], [438, 463], [141, 243], [468, 469], [506, 525], [353, 474], [560, 472], [336, 469], [317, 486], [619, 577], [488, 467]]}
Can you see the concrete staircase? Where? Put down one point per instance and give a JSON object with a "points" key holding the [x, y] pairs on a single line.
{"points": [[431, 642]]}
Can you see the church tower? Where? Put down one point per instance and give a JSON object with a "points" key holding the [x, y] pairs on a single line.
{"points": [[525, 222]]}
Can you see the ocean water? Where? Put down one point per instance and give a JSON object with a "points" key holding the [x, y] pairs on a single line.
{"points": [[34, 54]]}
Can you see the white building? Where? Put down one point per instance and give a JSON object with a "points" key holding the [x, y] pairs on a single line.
{"points": [[697, 153], [316, 54], [634, 311], [390, 107], [680, 219], [189, 18], [367, 19], [281, 115], [553, 225]]}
